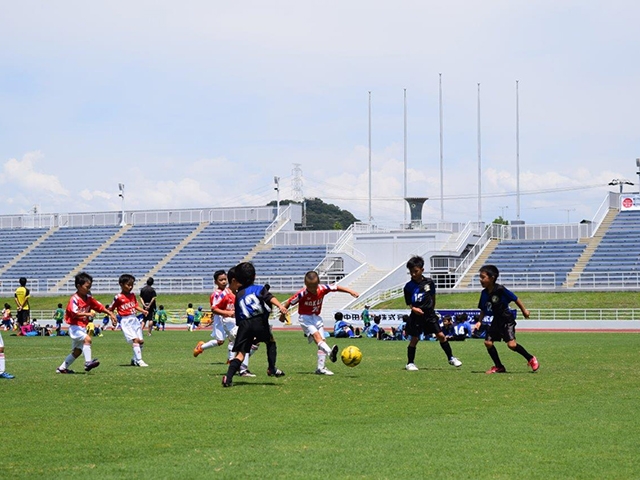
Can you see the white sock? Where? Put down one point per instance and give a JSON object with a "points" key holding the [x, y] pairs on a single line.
{"points": [[209, 344], [321, 358], [245, 363], [67, 361], [324, 347], [231, 353], [2, 362], [137, 352], [86, 350]]}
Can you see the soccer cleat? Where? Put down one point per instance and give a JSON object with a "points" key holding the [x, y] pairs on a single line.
{"points": [[533, 363], [275, 373], [333, 356], [246, 373], [6, 375], [88, 366], [64, 370], [226, 383], [323, 371], [198, 350], [455, 362], [411, 367], [141, 363], [495, 369]]}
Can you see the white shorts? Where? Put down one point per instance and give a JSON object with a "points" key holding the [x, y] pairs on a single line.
{"points": [[77, 334], [311, 324], [224, 327], [1, 342], [132, 328]]}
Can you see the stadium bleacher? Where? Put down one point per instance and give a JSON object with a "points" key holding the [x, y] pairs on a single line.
{"points": [[289, 259], [537, 256], [619, 249]]}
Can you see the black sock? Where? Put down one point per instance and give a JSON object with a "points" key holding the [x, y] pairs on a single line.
{"points": [[447, 349], [521, 350], [411, 354], [272, 353], [234, 366], [493, 353]]}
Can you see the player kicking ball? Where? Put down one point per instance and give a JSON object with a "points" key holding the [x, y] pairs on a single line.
{"points": [[309, 301]]}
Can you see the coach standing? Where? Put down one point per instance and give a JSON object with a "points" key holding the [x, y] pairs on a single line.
{"points": [[148, 296], [22, 302]]}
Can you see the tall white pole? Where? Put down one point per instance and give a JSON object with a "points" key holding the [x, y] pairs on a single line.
{"points": [[441, 153], [370, 216], [121, 195], [479, 163], [517, 152], [405, 156]]}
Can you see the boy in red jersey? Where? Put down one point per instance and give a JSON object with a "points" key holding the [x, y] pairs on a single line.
{"points": [[309, 301], [224, 322], [77, 315], [126, 304]]}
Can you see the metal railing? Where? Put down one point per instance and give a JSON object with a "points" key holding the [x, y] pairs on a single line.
{"points": [[8, 286], [111, 285]]}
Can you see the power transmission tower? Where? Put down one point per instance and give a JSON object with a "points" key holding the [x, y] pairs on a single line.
{"points": [[296, 183]]}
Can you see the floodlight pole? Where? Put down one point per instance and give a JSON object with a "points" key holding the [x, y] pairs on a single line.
{"points": [[276, 180], [122, 219]]}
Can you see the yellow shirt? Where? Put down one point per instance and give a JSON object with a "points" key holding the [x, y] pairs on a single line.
{"points": [[22, 297]]}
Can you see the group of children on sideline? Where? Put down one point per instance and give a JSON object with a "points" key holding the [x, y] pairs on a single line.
{"points": [[241, 311]]}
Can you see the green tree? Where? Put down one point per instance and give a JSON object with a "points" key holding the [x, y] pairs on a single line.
{"points": [[323, 216]]}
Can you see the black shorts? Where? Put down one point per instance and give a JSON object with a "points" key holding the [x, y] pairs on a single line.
{"points": [[503, 332], [421, 324], [22, 317], [150, 316], [250, 332]]}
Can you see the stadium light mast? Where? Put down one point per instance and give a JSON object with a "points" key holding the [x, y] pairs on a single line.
{"points": [[276, 181], [441, 149], [638, 165], [621, 182], [405, 155], [479, 163], [370, 216], [121, 195], [517, 152]]}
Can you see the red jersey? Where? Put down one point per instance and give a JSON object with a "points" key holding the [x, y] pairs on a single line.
{"points": [[124, 304], [76, 305], [223, 299], [309, 304]]}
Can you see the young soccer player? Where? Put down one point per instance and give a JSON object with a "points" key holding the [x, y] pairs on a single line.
{"points": [[77, 315], [197, 318], [420, 295], [309, 301], [190, 317], [126, 304], [252, 308], [161, 318], [224, 322], [58, 316], [7, 319], [3, 374], [494, 301]]}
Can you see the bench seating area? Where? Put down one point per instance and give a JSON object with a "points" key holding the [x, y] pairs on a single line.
{"points": [[619, 249], [289, 260]]}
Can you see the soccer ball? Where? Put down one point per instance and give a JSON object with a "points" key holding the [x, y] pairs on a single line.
{"points": [[351, 356]]}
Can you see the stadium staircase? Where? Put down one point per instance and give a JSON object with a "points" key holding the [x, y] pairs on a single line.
{"points": [[28, 250], [82, 265], [260, 247], [592, 244], [478, 262], [143, 280], [338, 300]]}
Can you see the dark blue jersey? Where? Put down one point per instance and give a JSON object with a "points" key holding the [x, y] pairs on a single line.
{"points": [[496, 304], [253, 302], [422, 295]]}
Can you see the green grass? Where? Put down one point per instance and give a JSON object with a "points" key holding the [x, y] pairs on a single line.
{"points": [[576, 418]]}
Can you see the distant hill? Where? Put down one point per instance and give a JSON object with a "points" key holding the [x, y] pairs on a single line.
{"points": [[322, 216]]}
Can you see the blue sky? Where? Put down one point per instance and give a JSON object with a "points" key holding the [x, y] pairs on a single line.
{"points": [[202, 103]]}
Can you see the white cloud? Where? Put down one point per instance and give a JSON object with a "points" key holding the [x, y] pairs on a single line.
{"points": [[23, 173]]}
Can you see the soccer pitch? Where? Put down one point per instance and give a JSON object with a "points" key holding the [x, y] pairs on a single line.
{"points": [[575, 418]]}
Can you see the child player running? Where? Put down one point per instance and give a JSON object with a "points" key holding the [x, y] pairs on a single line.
{"points": [[252, 308], [224, 322], [309, 301], [78, 315], [420, 295], [495, 300], [126, 304]]}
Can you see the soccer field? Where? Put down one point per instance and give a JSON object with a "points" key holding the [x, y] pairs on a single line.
{"points": [[577, 417]]}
